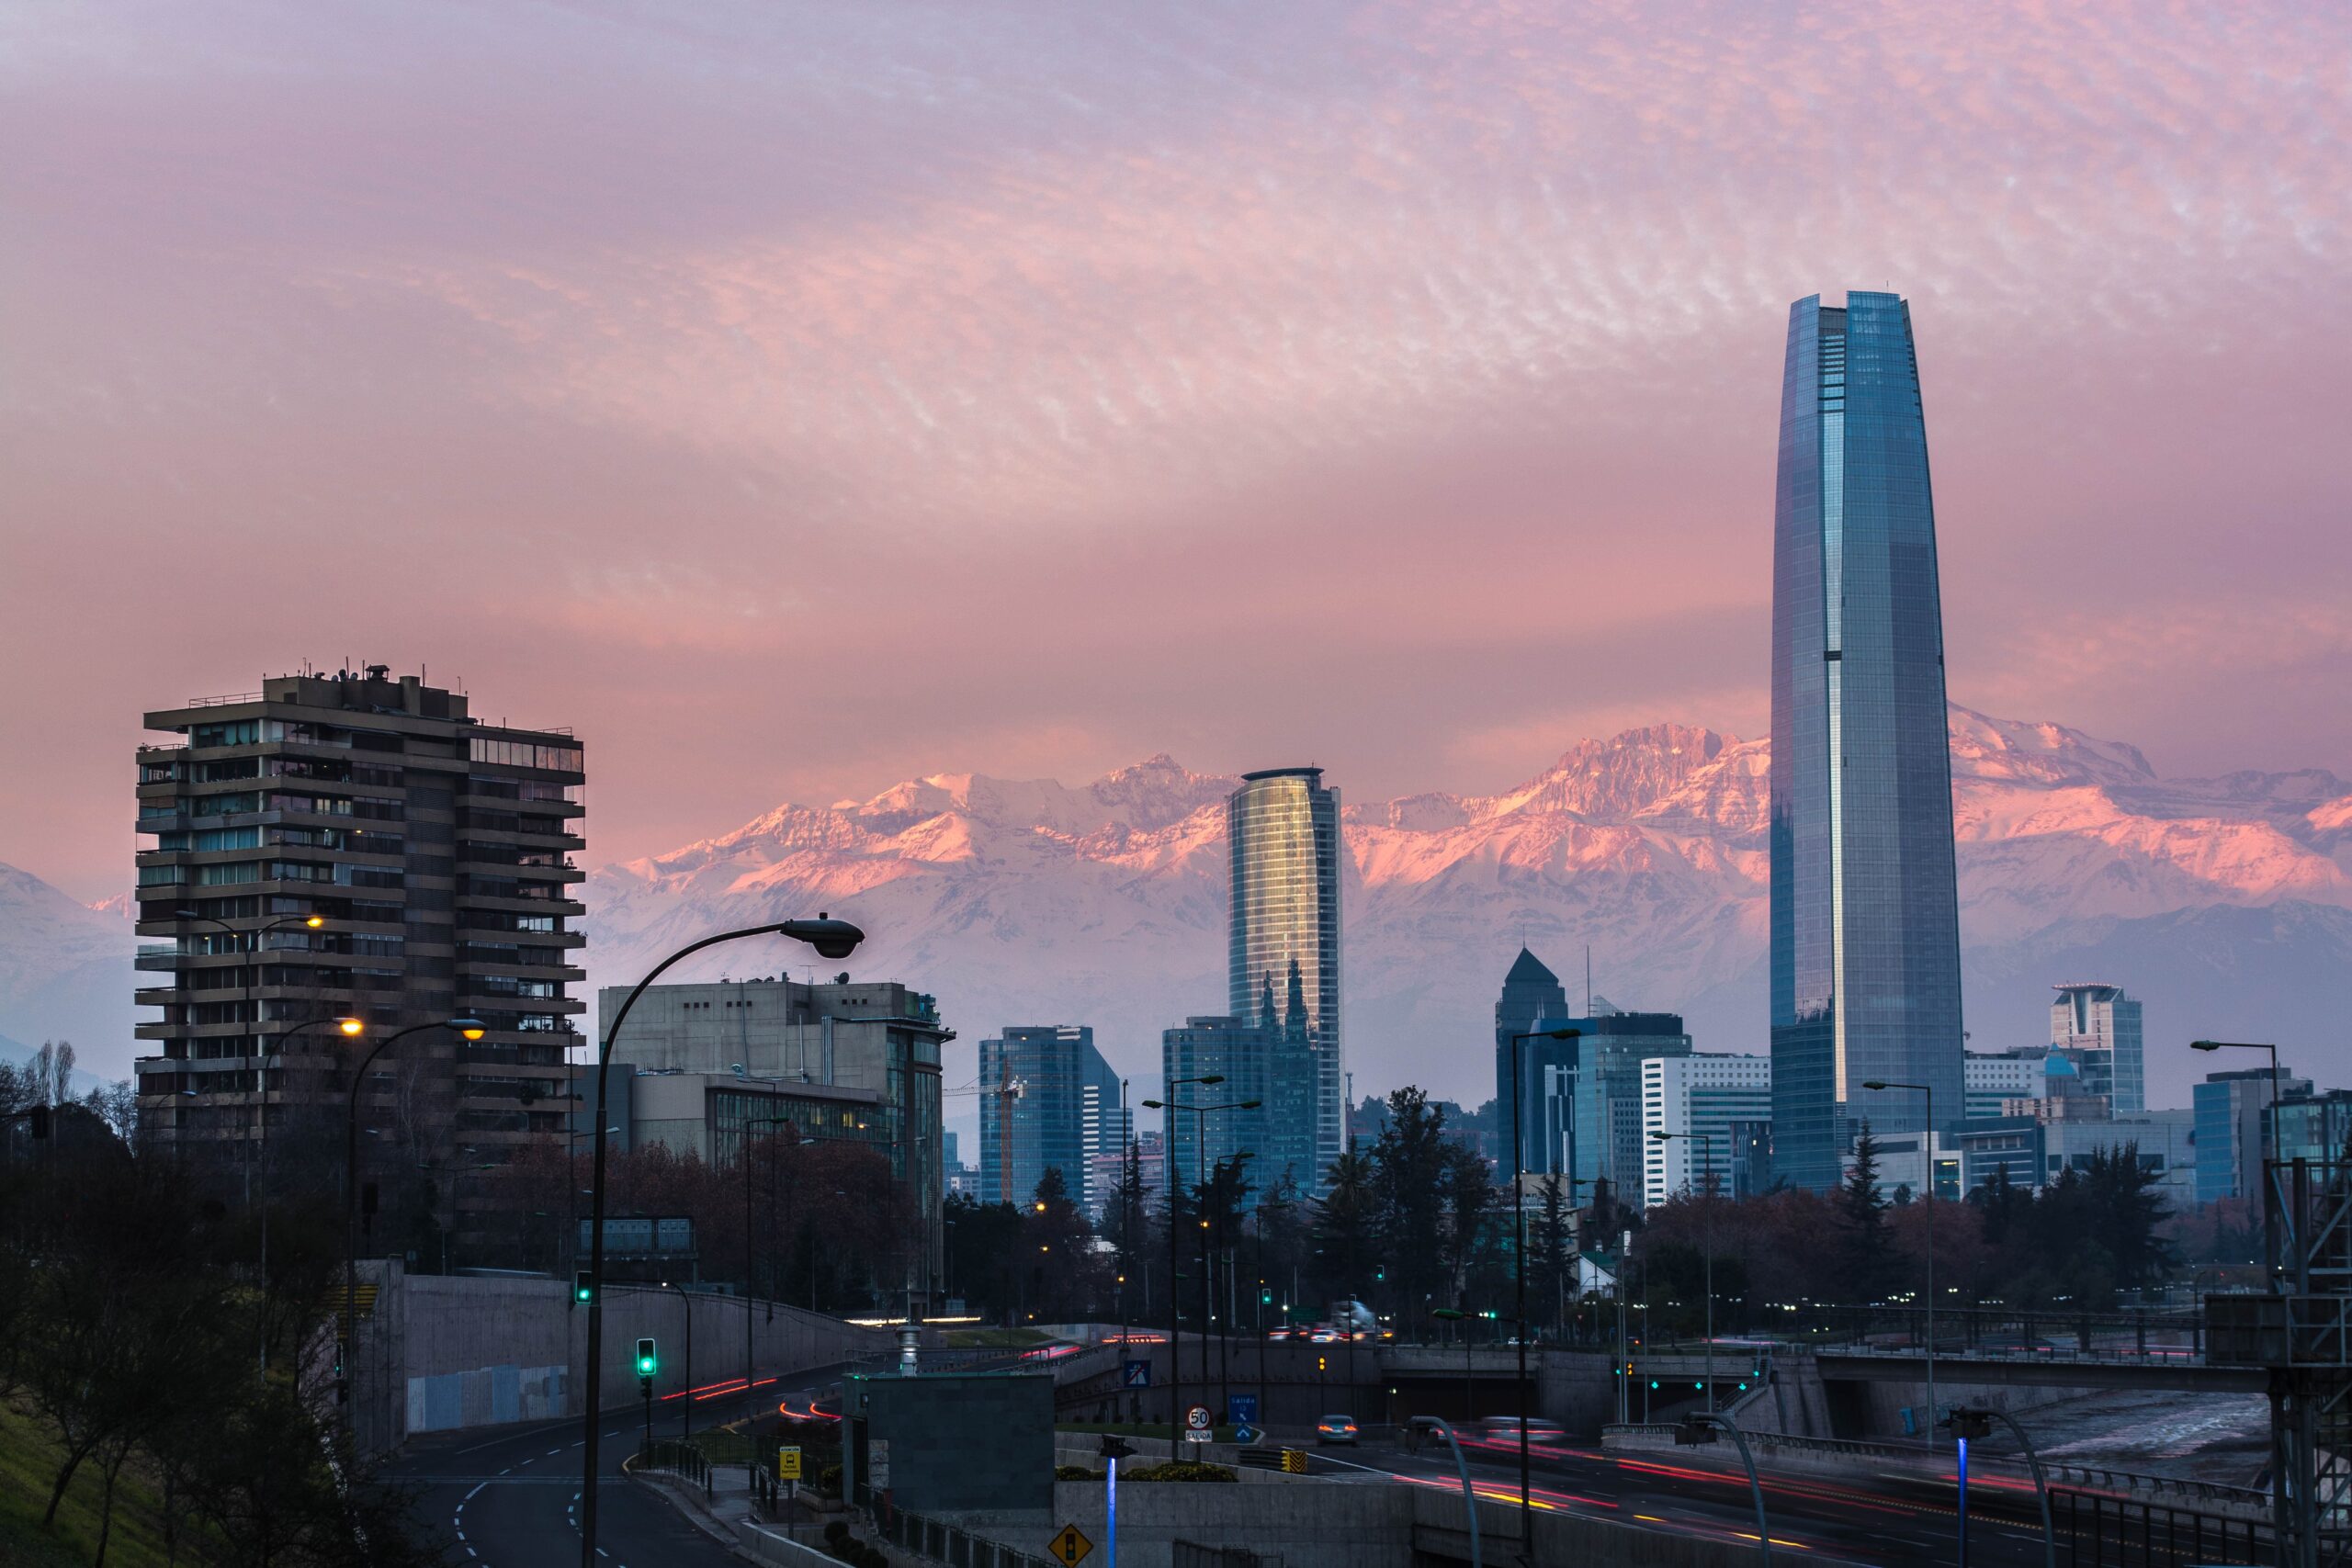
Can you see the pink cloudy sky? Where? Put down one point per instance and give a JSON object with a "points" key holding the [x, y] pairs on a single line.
{"points": [[797, 398]]}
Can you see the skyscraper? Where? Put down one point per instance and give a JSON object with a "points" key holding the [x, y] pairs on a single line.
{"points": [[2092, 1016], [1865, 919], [1284, 830], [1532, 996]]}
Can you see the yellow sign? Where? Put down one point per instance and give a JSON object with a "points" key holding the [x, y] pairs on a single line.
{"points": [[1294, 1461], [1069, 1547], [787, 1464]]}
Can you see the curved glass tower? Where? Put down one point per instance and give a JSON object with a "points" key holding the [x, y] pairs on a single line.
{"points": [[1865, 914], [1282, 827]]}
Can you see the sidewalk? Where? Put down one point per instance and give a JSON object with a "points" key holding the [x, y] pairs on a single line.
{"points": [[726, 1516]]}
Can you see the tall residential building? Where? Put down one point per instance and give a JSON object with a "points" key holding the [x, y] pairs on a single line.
{"points": [[1282, 827], [2232, 1111], [434, 853], [1067, 1111], [856, 1061], [1704, 1101], [1865, 923], [1532, 996], [2094, 1017]]}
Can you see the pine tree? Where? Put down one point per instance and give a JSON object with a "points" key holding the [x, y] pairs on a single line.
{"points": [[1549, 1247], [1862, 1218]]}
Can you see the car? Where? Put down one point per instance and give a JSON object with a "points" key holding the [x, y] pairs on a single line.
{"points": [[1337, 1430], [1505, 1429], [1281, 1332], [1324, 1334]]}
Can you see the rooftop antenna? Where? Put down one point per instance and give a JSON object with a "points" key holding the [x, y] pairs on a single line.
{"points": [[1587, 979]]}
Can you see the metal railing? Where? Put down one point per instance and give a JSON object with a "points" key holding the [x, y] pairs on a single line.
{"points": [[2098, 1531], [682, 1459], [936, 1540]]}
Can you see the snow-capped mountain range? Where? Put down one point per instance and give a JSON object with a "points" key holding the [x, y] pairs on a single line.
{"points": [[2224, 903]]}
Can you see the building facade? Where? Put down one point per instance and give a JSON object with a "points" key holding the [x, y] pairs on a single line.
{"points": [[1067, 1111], [1282, 828], [1864, 910], [357, 845], [1255, 1062], [1702, 1102], [2099, 1021], [2233, 1118], [852, 1060], [1532, 996], [1593, 1108], [1990, 1081]]}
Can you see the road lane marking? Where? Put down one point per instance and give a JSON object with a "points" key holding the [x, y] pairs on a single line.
{"points": [[469, 1496], [552, 1452]]}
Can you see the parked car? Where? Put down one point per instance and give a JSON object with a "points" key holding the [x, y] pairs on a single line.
{"points": [[1337, 1430]]}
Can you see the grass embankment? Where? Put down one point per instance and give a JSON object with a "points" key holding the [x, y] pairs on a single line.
{"points": [[29, 1460]]}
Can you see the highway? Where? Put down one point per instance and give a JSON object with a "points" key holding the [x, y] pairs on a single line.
{"points": [[1895, 1519]]}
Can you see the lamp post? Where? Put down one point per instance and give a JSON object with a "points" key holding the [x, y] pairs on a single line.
{"points": [[471, 1029], [1519, 1239], [1175, 1301], [832, 938], [2269, 1230], [1928, 1142], [1976, 1421], [1705, 1140], [248, 942]]}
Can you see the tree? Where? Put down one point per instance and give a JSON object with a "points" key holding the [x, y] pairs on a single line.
{"points": [[2130, 1213], [1471, 1197], [1346, 1231], [1861, 1220], [1410, 1181], [1548, 1251]]}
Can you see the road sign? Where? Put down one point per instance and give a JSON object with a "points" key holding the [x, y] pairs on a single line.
{"points": [[1134, 1374], [1244, 1407], [1246, 1433], [1196, 1418], [787, 1464], [1295, 1461], [1068, 1546]]}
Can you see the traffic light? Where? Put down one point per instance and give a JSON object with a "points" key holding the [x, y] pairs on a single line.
{"points": [[647, 1362], [1265, 1298], [583, 1287]]}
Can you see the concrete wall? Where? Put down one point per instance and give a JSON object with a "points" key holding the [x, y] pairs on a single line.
{"points": [[444, 1352]]}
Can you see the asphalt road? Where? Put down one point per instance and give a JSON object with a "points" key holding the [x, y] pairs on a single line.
{"points": [[512, 1501], [1890, 1519]]}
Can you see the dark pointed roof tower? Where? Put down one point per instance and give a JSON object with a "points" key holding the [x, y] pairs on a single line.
{"points": [[1531, 991]]}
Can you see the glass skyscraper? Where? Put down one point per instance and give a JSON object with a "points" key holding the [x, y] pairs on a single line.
{"points": [[1865, 914], [1283, 826]]}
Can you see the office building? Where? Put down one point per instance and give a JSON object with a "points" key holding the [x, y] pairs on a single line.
{"points": [[1531, 998], [2098, 1023], [1282, 827], [1991, 1080], [1066, 1112], [1108, 1169], [1272, 1065], [2316, 1127], [1592, 1109], [1701, 1100], [435, 853], [2233, 1118], [1751, 1157], [1903, 1163], [856, 1061], [1864, 913], [2035, 1149]]}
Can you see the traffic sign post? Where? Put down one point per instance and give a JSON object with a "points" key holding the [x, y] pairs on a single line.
{"points": [[787, 1464], [1197, 1424], [1244, 1407], [1069, 1546], [1134, 1374]]}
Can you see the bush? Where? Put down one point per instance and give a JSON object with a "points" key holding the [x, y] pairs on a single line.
{"points": [[829, 1480], [1076, 1473], [835, 1533], [1183, 1470]]}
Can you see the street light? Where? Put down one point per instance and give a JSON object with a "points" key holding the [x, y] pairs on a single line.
{"points": [[1175, 1299], [247, 941], [469, 1028], [1976, 1421], [1519, 1239], [1701, 1427], [1706, 1143], [350, 1028], [750, 1123], [832, 938], [1927, 1141]]}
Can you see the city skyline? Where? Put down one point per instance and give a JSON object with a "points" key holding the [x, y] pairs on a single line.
{"points": [[1420, 321]]}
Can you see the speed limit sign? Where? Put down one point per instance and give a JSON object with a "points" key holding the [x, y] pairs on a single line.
{"points": [[1197, 1424]]}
